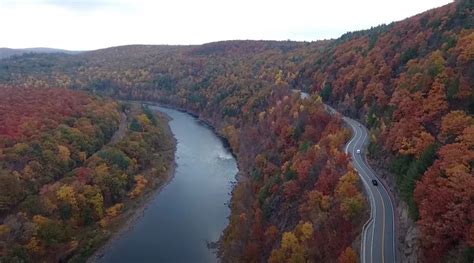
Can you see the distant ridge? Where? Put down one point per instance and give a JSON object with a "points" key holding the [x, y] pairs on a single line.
{"points": [[8, 52]]}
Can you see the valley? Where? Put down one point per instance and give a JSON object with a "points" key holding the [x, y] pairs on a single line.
{"points": [[303, 193]]}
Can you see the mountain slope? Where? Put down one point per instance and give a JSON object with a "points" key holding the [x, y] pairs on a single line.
{"points": [[69, 167], [412, 82]]}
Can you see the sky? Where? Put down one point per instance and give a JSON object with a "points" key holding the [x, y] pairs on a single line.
{"points": [[95, 24]]}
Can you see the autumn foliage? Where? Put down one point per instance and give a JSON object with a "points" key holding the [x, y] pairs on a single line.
{"points": [[301, 188], [409, 81], [63, 181]]}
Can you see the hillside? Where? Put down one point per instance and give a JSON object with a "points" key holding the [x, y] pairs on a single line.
{"points": [[65, 178], [410, 82]]}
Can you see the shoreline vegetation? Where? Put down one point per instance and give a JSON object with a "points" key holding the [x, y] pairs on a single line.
{"points": [[129, 218], [78, 180], [137, 207], [203, 121]]}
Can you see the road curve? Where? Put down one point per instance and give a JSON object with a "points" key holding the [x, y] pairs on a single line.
{"points": [[378, 234]]}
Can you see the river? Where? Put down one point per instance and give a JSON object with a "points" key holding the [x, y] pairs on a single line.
{"points": [[191, 210]]}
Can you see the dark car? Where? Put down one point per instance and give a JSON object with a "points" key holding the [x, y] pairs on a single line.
{"points": [[374, 182]]}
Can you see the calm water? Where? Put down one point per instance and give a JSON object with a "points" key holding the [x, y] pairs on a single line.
{"points": [[191, 209]]}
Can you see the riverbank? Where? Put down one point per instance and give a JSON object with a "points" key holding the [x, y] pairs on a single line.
{"points": [[191, 211], [137, 207], [207, 123], [203, 121]]}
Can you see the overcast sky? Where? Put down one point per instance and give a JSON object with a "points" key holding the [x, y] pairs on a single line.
{"points": [[93, 24]]}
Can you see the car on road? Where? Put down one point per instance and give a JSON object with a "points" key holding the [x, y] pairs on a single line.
{"points": [[374, 182], [358, 151]]}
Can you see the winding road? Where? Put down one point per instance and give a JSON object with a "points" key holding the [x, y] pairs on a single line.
{"points": [[378, 234], [378, 240]]}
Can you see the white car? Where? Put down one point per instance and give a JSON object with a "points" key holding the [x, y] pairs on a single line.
{"points": [[358, 151]]}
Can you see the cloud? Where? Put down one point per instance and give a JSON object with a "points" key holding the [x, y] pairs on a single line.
{"points": [[82, 5], [93, 24], [74, 5]]}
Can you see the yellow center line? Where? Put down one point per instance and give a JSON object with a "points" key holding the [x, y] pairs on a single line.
{"points": [[383, 225]]}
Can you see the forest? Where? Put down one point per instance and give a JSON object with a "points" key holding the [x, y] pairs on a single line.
{"points": [[68, 172], [410, 82], [303, 201]]}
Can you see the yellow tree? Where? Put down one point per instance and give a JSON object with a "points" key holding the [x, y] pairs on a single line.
{"points": [[453, 124], [293, 247], [350, 198], [140, 183], [64, 153]]}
